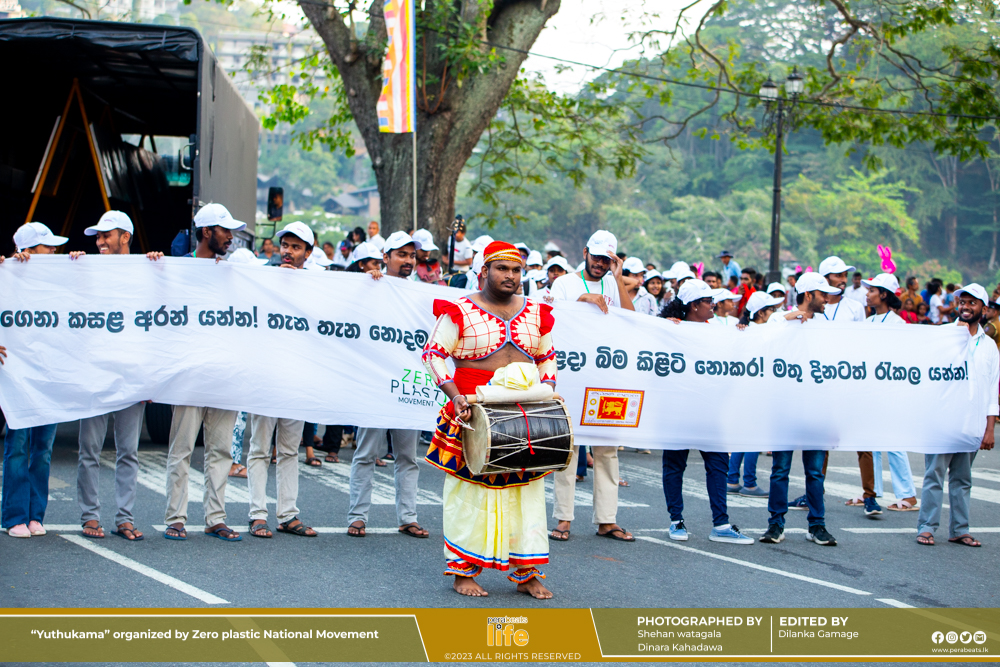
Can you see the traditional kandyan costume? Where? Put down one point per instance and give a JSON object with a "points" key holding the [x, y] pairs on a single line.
{"points": [[490, 521]]}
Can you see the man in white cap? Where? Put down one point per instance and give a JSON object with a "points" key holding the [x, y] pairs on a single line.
{"points": [[534, 261], [984, 374], [635, 274], [214, 227], [600, 283], [296, 245], [840, 309], [428, 268], [113, 233], [400, 257], [813, 291]]}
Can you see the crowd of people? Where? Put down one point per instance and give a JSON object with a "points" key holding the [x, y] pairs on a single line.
{"points": [[510, 291]]}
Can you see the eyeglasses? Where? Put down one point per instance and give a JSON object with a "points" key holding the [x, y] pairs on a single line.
{"points": [[707, 301]]}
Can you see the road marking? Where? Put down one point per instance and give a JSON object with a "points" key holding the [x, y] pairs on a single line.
{"points": [[692, 487], [153, 476], [338, 477], [145, 570], [978, 492], [332, 530], [582, 497], [895, 603], [755, 566]]}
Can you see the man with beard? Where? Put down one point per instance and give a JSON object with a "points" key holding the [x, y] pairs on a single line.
{"points": [[840, 308], [400, 257], [114, 237], [214, 227], [492, 521], [984, 374], [812, 294], [297, 242], [601, 284]]}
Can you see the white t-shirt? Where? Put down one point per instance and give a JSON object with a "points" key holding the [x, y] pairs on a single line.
{"points": [[377, 240], [859, 294], [571, 287], [937, 301], [845, 310], [644, 302], [463, 249], [984, 371], [728, 320], [888, 318]]}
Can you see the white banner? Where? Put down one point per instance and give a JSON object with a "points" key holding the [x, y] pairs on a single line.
{"points": [[97, 334]]}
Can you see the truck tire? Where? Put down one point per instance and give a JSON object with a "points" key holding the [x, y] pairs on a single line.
{"points": [[158, 417]]}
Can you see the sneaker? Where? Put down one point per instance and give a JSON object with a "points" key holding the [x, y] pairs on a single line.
{"points": [[774, 534], [678, 531], [36, 528], [733, 488], [753, 492], [21, 530], [799, 504], [872, 507], [820, 536], [729, 534]]}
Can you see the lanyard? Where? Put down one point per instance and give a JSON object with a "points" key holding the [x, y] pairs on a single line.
{"points": [[872, 320], [834, 310], [588, 289]]}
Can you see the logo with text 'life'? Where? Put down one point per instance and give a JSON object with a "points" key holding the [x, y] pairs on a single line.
{"points": [[501, 631], [612, 407]]}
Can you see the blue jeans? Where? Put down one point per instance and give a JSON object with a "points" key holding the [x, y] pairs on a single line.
{"points": [[581, 463], [749, 461], [777, 494], [716, 465], [902, 476], [27, 454]]}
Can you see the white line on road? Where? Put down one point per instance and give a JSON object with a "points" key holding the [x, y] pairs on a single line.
{"points": [[331, 530], [582, 497], [153, 476], [755, 566], [338, 477], [978, 492], [147, 571], [691, 487]]}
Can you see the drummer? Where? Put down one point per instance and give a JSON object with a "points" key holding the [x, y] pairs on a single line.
{"points": [[495, 521]]}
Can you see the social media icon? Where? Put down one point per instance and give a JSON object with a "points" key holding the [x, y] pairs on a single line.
{"points": [[965, 637], [979, 637], [951, 637], [937, 637]]}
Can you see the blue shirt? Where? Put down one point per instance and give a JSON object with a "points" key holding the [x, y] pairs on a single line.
{"points": [[731, 270]]}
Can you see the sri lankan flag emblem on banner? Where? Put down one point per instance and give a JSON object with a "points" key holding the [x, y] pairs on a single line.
{"points": [[397, 104]]}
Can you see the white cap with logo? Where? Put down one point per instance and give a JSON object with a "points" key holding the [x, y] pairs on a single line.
{"points": [[479, 245], [725, 295], [832, 264], [886, 281], [760, 300], [695, 289], [652, 273], [364, 251], [559, 261], [976, 291], [633, 265], [212, 215], [31, 234], [812, 282], [111, 220], [397, 240], [424, 240], [534, 257], [244, 256], [602, 243], [299, 229], [775, 287]]}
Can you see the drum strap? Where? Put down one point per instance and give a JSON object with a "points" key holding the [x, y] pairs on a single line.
{"points": [[528, 427]]}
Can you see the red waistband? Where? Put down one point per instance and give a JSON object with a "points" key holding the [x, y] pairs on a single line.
{"points": [[467, 379]]}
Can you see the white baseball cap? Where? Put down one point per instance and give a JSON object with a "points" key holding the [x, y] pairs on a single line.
{"points": [[677, 268], [760, 300], [366, 250], [536, 274], [725, 295], [31, 234], [111, 220], [696, 289], [397, 240], [559, 261], [317, 259], [974, 290], [244, 256], [886, 281], [652, 273], [522, 247], [833, 264], [424, 240], [634, 265], [683, 275], [602, 243], [299, 229], [551, 247], [776, 287], [211, 215], [534, 257], [480, 243], [477, 263], [812, 282]]}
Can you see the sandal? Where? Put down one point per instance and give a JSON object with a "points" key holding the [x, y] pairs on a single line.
{"points": [[332, 458], [855, 502], [390, 457], [580, 478], [413, 530], [380, 463], [559, 535], [965, 540], [356, 531], [622, 482], [927, 539], [97, 530], [175, 531], [128, 532], [260, 529], [622, 538], [238, 470], [299, 528], [902, 506], [223, 532], [314, 462]]}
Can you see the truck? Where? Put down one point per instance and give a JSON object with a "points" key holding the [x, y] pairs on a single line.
{"points": [[141, 118]]}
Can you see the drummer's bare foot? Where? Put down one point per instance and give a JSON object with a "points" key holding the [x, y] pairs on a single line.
{"points": [[534, 588], [468, 586]]}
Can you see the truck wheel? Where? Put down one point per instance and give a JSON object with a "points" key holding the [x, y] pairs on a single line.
{"points": [[158, 417]]}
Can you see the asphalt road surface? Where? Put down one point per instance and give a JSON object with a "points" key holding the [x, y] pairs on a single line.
{"points": [[877, 562]]}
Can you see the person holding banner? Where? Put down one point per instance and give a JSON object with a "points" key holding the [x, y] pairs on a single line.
{"points": [[494, 521], [27, 452], [841, 309], [984, 374], [600, 283], [812, 290], [113, 233], [214, 227], [400, 257], [694, 303]]}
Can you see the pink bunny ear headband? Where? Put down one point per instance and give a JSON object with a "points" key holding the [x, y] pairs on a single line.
{"points": [[885, 253], [698, 267]]}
